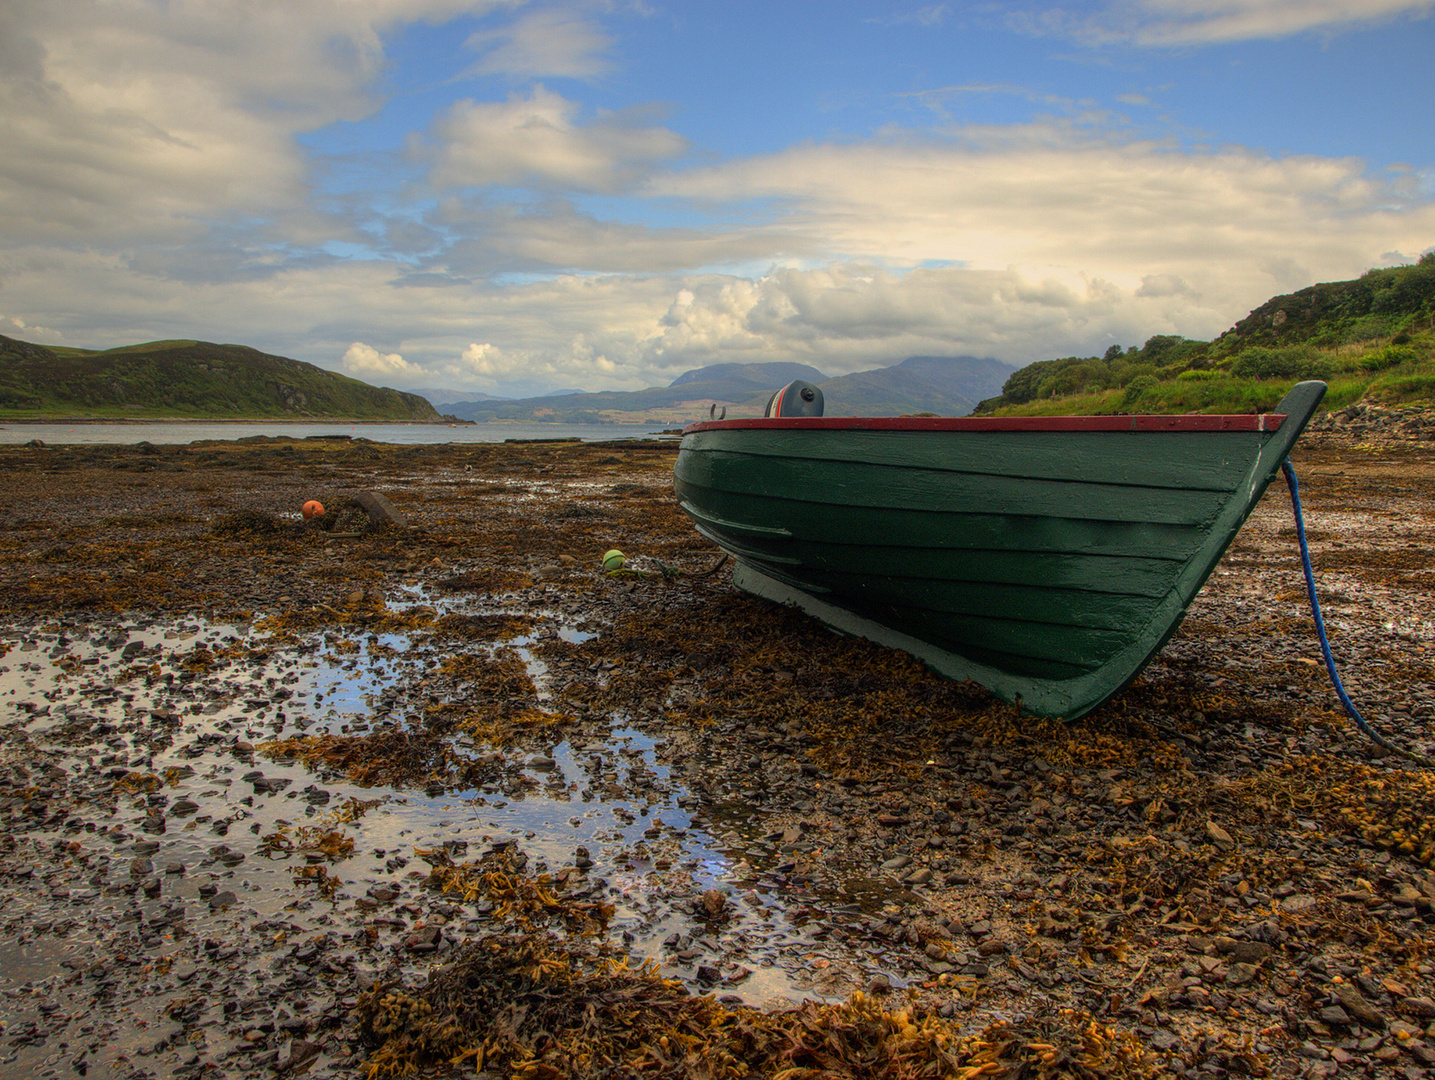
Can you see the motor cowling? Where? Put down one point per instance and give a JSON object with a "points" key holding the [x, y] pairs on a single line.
{"points": [[797, 398]]}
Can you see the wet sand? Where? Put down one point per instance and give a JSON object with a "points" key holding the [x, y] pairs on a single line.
{"points": [[252, 768]]}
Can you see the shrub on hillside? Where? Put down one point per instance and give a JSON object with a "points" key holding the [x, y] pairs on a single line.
{"points": [[1388, 357], [1136, 387], [1285, 362]]}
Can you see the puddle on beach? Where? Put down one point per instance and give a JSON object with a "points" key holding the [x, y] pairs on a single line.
{"points": [[653, 854]]}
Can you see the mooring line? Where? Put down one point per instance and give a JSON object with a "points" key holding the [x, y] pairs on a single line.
{"points": [[1351, 710]]}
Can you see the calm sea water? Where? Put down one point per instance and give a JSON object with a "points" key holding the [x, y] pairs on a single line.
{"points": [[184, 432]]}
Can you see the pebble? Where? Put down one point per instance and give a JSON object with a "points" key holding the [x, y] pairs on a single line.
{"points": [[1356, 1005], [423, 940], [1239, 974], [1219, 836]]}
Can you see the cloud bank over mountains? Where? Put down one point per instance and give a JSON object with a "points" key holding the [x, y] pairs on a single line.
{"points": [[286, 176]]}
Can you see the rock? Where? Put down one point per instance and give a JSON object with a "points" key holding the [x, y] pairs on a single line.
{"points": [[1422, 1007], [711, 903], [380, 509], [1351, 1000], [1245, 952], [897, 862], [1219, 836], [1294, 905], [707, 975], [299, 1052], [879, 985], [1335, 1016], [423, 940], [1358, 896], [141, 867], [1240, 974], [221, 900]]}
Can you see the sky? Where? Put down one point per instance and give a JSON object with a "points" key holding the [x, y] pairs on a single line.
{"points": [[513, 197]]}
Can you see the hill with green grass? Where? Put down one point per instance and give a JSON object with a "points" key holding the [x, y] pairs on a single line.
{"points": [[187, 380], [1371, 339]]}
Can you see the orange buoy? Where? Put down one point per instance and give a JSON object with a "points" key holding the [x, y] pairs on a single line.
{"points": [[312, 509]]}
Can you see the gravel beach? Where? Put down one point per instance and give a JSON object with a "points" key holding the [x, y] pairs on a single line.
{"points": [[417, 784]]}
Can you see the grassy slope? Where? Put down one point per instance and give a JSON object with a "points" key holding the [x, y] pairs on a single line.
{"points": [[1370, 339], [189, 379]]}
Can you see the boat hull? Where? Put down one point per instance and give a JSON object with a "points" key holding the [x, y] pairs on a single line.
{"points": [[1048, 559]]}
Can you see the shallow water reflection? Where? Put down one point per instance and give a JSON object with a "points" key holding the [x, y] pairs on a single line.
{"points": [[183, 703]]}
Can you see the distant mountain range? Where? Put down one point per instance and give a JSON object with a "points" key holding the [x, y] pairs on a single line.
{"points": [[203, 380], [948, 385], [441, 396], [190, 379]]}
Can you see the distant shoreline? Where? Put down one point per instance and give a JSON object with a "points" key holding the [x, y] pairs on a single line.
{"points": [[139, 420]]}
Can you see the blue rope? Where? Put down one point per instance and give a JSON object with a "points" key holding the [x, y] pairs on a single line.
{"points": [[1350, 708]]}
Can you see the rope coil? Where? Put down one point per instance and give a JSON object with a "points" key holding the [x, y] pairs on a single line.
{"points": [[1380, 740]]}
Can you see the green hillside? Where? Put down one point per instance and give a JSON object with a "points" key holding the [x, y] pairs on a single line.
{"points": [[1371, 339], [191, 379]]}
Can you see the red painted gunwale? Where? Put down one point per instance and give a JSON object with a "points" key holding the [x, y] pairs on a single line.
{"points": [[1185, 422]]}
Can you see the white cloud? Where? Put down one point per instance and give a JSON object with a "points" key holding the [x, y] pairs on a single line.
{"points": [[555, 236], [142, 119], [1044, 196], [539, 140], [1203, 22], [543, 44], [1157, 285], [483, 360], [365, 361]]}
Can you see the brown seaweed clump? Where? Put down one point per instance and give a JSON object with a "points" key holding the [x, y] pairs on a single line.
{"points": [[531, 902], [1393, 809], [530, 1008]]}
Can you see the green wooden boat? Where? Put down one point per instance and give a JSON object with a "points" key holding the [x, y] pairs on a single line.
{"points": [[1047, 558]]}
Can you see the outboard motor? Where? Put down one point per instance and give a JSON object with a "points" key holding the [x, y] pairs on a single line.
{"points": [[797, 398]]}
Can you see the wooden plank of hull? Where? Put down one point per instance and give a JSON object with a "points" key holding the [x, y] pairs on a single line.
{"points": [[1058, 600], [718, 462], [1189, 461], [916, 528]]}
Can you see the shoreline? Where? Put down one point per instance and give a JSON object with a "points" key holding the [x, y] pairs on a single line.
{"points": [[251, 768], [223, 420]]}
